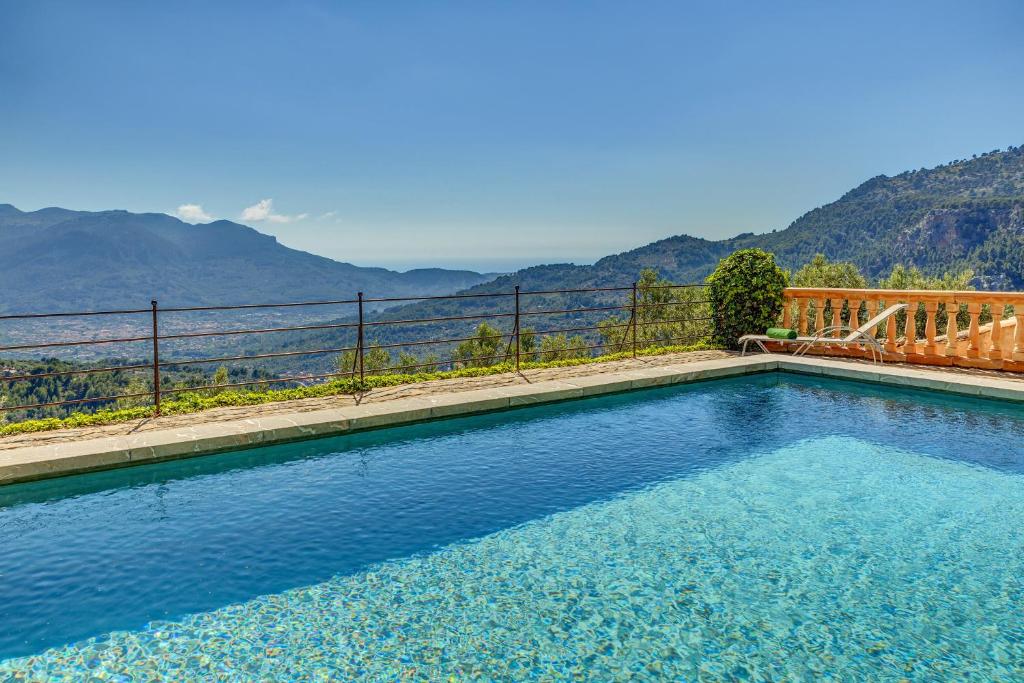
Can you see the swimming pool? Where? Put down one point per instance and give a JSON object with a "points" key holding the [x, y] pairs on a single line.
{"points": [[766, 527]]}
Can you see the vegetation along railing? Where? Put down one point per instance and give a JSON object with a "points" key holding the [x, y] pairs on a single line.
{"points": [[986, 331], [617, 320]]}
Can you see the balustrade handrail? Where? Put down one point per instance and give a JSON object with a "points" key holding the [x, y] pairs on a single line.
{"points": [[940, 295]]}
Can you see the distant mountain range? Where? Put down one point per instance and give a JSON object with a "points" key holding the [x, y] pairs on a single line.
{"points": [[57, 259], [965, 214]]}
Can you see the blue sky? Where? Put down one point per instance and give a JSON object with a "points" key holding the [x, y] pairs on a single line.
{"points": [[494, 135]]}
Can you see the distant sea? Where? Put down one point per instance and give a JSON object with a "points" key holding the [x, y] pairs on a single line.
{"points": [[480, 265]]}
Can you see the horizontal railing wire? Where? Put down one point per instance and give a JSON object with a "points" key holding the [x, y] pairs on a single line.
{"points": [[225, 333], [268, 380], [438, 297], [239, 307], [87, 371], [83, 342], [255, 356], [30, 316], [361, 347], [478, 316], [591, 309], [76, 401]]}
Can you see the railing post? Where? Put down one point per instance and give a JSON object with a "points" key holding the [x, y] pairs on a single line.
{"points": [[635, 321], [360, 340], [156, 360], [516, 327]]}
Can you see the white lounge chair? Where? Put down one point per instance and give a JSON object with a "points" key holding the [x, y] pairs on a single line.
{"points": [[861, 336]]}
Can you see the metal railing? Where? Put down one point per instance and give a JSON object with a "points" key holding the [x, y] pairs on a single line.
{"points": [[360, 324]]}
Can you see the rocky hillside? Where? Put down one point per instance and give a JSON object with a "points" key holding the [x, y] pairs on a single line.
{"points": [[965, 214]]}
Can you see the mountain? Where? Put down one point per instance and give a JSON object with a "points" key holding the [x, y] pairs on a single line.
{"points": [[965, 214], [57, 259]]}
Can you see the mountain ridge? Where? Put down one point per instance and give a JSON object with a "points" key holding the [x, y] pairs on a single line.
{"points": [[966, 214], [61, 259]]}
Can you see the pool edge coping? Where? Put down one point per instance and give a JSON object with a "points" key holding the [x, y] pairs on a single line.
{"points": [[79, 456]]}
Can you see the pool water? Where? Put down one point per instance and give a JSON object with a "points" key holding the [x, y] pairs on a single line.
{"points": [[765, 528]]}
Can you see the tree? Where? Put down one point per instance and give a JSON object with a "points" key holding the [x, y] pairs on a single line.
{"points": [[903, 277], [137, 384], [481, 350], [375, 360], [409, 363], [746, 295], [820, 272], [562, 347], [527, 344], [665, 315]]}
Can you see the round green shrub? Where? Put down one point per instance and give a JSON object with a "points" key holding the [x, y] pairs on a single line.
{"points": [[746, 295]]}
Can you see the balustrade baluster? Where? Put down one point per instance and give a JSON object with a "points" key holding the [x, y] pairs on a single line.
{"points": [[837, 317], [952, 307], [787, 312], [871, 310], [930, 309], [910, 329], [995, 347], [890, 332], [802, 306], [1018, 336], [819, 316], [973, 344]]}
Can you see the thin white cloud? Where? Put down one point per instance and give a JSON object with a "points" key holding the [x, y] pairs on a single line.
{"points": [[192, 213], [329, 214], [263, 210]]}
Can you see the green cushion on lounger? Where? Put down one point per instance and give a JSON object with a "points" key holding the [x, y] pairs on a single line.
{"points": [[780, 333]]}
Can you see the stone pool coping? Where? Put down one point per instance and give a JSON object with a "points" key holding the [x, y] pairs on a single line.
{"points": [[75, 456]]}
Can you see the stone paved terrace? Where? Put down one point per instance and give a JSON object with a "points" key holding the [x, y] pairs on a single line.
{"points": [[433, 388], [51, 454]]}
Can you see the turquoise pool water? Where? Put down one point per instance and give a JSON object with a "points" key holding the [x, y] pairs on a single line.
{"points": [[769, 528]]}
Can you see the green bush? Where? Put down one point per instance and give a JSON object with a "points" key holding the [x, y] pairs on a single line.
{"points": [[746, 295]]}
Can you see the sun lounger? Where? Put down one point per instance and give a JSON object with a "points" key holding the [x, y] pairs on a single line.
{"points": [[862, 336]]}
